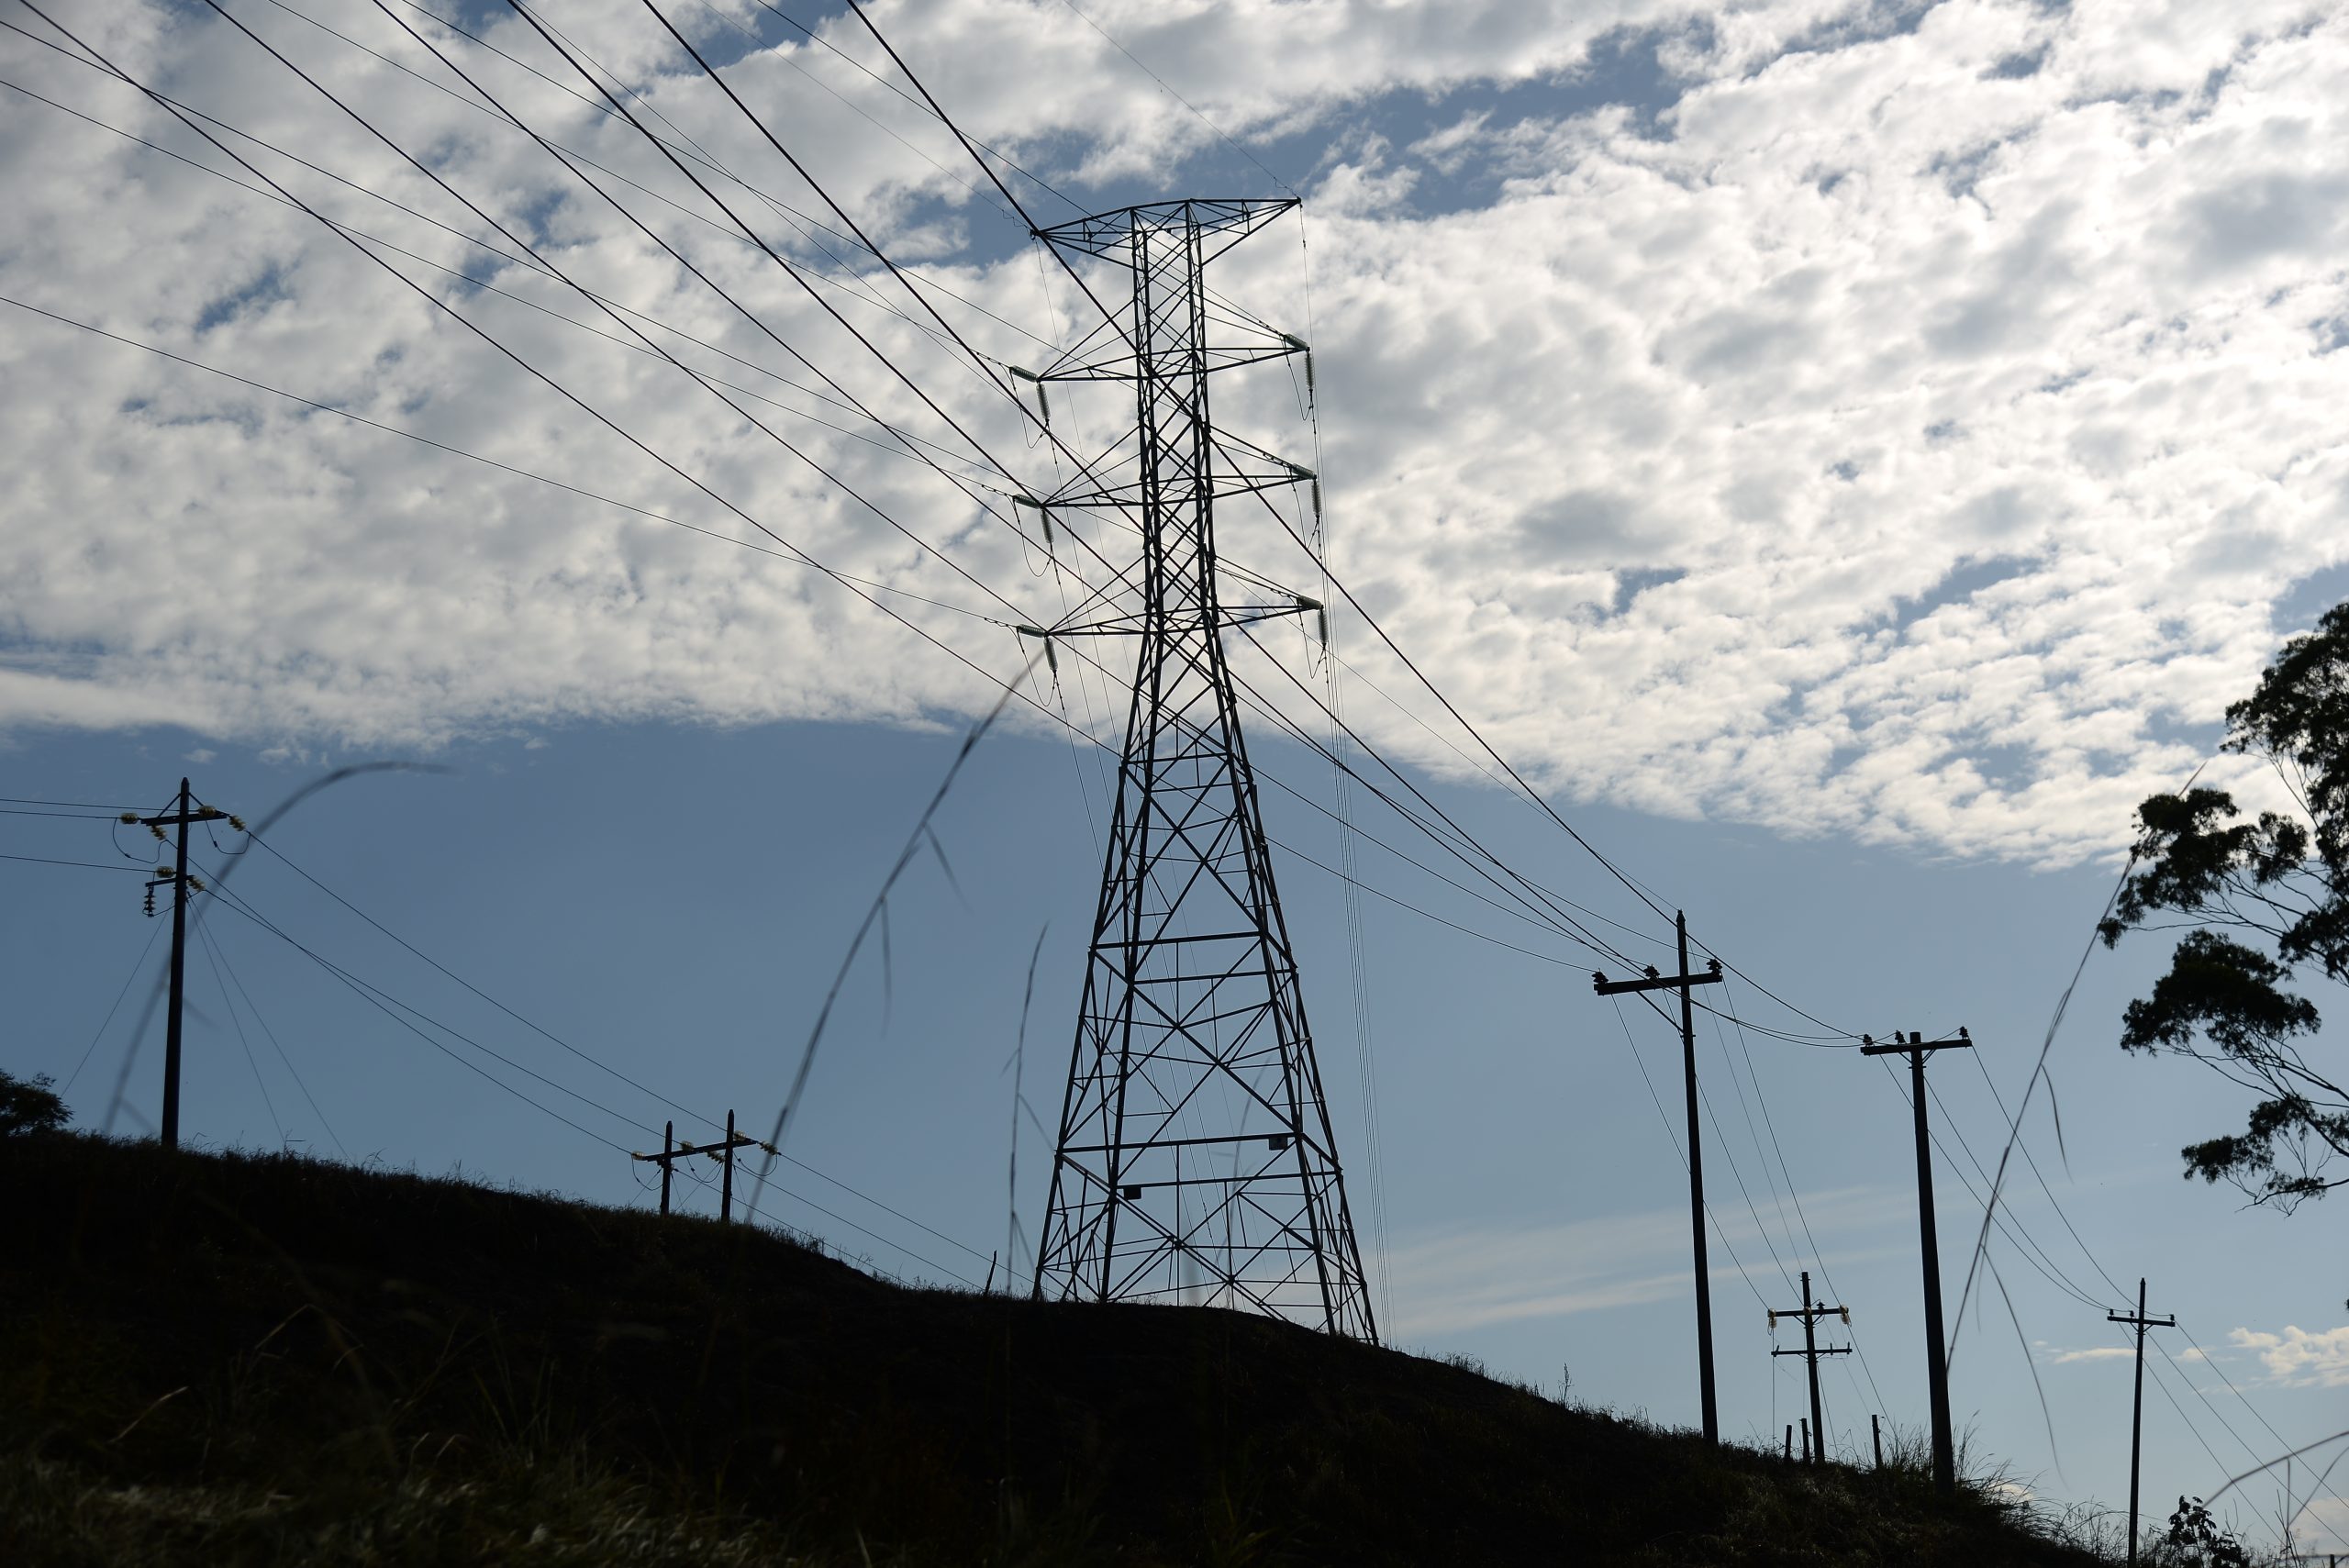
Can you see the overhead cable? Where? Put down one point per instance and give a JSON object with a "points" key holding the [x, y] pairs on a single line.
{"points": [[532, 252], [536, 373], [792, 556], [270, 1035]]}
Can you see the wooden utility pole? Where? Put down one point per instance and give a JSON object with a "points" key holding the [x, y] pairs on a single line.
{"points": [[2137, 1408], [186, 811], [1810, 1313], [1915, 1048], [1876, 1436], [668, 1142], [725, 1191], [722, 1151], [1681, 982]]}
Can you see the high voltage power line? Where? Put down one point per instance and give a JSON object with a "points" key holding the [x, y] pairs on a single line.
{"points": [[524, 364], [865, 294], [749, 315], [807, 226]]}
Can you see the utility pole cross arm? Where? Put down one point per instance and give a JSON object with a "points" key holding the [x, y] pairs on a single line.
{"points": [[1656, 982], [173, 820], [1915, 1041]]}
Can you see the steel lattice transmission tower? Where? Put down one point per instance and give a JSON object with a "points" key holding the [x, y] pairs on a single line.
{"points": [[1195, 1159]]}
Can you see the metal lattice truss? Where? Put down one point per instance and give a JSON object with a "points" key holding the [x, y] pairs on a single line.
{"points": [[1195, 1161]]}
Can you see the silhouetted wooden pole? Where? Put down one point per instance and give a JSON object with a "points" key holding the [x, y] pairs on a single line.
{"points": [[1696, 1194], [2137, 1408], [1811, 1365], [1681, 982], [723, 1150], [184, 812], [1915, 1048], [1812, 1311], [172, 1027], [725, 1190], [1876, 1436]]}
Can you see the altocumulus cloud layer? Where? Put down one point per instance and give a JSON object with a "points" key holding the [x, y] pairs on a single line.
{"points": [[1896, 421]]}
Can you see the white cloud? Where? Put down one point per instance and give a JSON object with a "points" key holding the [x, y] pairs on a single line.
{"points": [[1467, 1279], [1909, 433], [2298, 1357], [27, 697], [2323, 1524], [2093, 1353]]}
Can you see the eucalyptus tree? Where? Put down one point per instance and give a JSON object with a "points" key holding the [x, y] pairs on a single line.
{"points": [[2263, 901]]}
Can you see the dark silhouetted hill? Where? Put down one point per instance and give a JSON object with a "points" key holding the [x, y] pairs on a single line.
{"points": [[231, 1359]]}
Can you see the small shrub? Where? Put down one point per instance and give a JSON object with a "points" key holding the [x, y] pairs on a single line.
{"points": [[2195, 1538], [30, 1107]]}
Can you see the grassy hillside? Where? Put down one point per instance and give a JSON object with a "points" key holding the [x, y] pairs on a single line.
{"points": [[225, 1359]]}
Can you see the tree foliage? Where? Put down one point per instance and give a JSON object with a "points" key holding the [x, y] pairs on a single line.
{"points": [[29, 1106], [2265, 900]]}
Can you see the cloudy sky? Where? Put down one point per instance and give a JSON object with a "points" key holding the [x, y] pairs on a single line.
{"points": [[1911, 420], [1873, 439]]}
